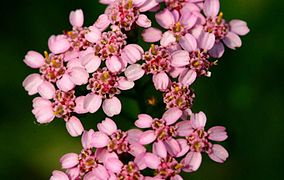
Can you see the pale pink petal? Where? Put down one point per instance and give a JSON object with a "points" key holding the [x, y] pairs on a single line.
{"points": [[74, 63], [232, 40], [172, 146], [184, 128], [198, 120], [188, 42], [91, 62], [165, 19], [134, 135], [58, 44], [113, 64], [144, 121], [143, 21], [239, 27], [92, 102], [76, 18], [107, 126], [184, 147], [134, 72], [93, 35], [99, 173], [102, 154], [136, 149], [211, 8], [168, 38], [152, 35], [140, 161], [79, 108], [87, 139], [159, 149], [176, 71], [147, 137], [188, 20], [69, 160], [149, 4], [161, 81], [124, 84], [152, 161], [172, 115], [189, 7], [59, 175], [132, 53], [106, 1], [102, 22], [206, 40], [112, 106], [217, 133], [218, 50], [74, 126], [34, 59], [65, 84], [100, 140], [31, 83], [46, 90], [188, 77], [180, 58], [219, 153], [73, 173], [176, 177], [79, 76], [113, 165], [192, 161]]}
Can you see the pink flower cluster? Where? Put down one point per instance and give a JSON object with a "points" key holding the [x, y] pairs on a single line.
{"points": [[100, 60]]}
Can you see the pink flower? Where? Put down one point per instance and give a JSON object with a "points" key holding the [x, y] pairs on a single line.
{"points": [[198, 141]]}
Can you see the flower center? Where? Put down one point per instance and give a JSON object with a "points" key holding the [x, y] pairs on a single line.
{"points": [[217, 26], [87, 161], [118, 142], [104, 83], [64, 103], [199, 61], [77, 39], [175, 4], [169, 167]]}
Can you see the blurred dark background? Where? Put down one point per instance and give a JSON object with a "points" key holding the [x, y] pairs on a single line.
{"points": [[245, 93]]}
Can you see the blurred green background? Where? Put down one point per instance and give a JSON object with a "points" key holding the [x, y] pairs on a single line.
{"points": [[245, 93]]}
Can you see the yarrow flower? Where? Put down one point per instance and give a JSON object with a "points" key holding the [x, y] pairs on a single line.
{"points": [[89, 67]]}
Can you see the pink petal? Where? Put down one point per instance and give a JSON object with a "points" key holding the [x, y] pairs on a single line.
{"points": [[144, 121], [217, 133], [159, 149], [232, 40], [188, 20], [218, 50], [149, 4], [74, 126], [92, 102], [161, 81], [102, 155], [58, 44], [132, 53], [188, 77], [140, 161], [165, 19], [98, 173], [134, 72], [79, 108], [180, 58], [112, 106], [34, 59], [65, 84], [198, 120], [88, 139], [152, 35], [136, 149], [102, 22], [93, 35], [192, 161], [206, 40], [91, 62], [219, 153], [211, 8], [147, 137], [76, 18], [46, 90], [184, 128], [100, 140], [79, 76], [143, 21], [168, 38], [107, 126], [69, 160], [188, 43], [173, 147], [113, 165], [239, 27], [184, 147], [152, 161], [134, 136], [124, 84], [31, 83], [172, 115], [59, 175], [113, 64]]}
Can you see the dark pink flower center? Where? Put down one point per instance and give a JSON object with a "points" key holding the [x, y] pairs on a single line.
{"points": [[217, 26], [64, 103], [118, 142], [169, 167]]}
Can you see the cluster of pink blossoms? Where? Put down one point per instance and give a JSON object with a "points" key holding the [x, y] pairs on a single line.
{"points": [[100, 59]]}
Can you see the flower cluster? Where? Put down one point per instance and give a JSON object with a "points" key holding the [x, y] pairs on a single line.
{"points": [[88, 67]]}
